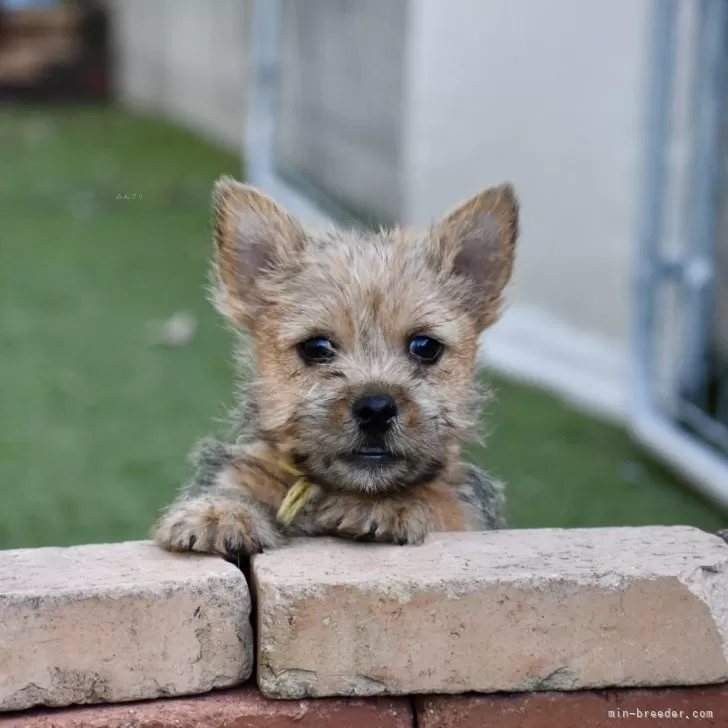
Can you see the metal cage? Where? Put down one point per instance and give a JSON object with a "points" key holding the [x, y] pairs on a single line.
{"points": [[679, 402]]}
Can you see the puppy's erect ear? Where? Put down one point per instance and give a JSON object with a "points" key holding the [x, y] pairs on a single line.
{"points": [[476, 242], [253, 238]]}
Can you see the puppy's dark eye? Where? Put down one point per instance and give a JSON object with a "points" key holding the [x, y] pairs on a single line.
{"points": [[425, 349], [316, 350]]}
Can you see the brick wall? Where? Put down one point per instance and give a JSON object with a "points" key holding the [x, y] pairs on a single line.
{"points": [[514, 628]]}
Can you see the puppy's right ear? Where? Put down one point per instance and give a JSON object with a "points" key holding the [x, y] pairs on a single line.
{"points": [[253, 238]]}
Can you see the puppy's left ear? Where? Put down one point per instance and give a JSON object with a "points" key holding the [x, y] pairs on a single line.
{"points": [[476, 242]]}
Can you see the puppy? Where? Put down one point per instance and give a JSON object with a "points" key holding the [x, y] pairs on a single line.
{"points": [[362, 384]]}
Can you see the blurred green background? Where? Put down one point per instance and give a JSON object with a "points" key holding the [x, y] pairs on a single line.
{"points": [[104, 233]]}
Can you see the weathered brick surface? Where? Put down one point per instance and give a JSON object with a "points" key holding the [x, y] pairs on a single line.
{"points": [[240, 708], [503, 611], [117, 622], [661, 708]]}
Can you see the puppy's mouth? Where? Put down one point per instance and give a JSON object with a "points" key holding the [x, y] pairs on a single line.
{"points": [[369, 455]]}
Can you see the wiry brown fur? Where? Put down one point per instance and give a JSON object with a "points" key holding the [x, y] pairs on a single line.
{"points": [[369, 293]]}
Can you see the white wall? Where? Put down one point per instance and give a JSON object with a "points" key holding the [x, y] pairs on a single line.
{"points": [[550, 95], [187, 60]]}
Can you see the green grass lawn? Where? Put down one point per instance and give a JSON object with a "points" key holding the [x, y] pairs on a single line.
{"points": [[95, 421]]}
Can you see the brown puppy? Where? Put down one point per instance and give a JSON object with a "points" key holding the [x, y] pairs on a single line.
{"points": [[363, 378]]}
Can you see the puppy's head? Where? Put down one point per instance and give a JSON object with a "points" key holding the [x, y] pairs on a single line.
{"points": [[365, 343]]}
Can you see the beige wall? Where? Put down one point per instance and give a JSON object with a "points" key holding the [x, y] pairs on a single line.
{"points": [[185, 59]]}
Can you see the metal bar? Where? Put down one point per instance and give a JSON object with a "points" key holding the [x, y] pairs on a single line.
{"points": [[260, 122], [711, 429], [670, 270], [259, 129], [705, 179], [660, 86], [693, 459], [721, 413]]}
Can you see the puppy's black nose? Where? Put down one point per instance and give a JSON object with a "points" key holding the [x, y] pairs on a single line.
{"points": [[375, 412]]}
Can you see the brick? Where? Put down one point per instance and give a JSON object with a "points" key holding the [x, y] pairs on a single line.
{"points": [[630, 708], [239, 708], [118, 622], [501, 611]]}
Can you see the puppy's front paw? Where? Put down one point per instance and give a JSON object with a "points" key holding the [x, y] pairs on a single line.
{"points": [[216, 526], [386, 521]]}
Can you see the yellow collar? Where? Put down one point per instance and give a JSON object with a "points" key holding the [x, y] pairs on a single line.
{"points": [[300, 493]]}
